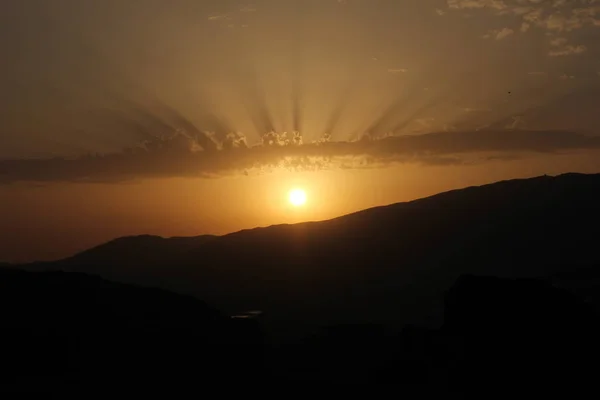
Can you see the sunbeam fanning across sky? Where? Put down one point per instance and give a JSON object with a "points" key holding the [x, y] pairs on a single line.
{"points": [[130, 93]]}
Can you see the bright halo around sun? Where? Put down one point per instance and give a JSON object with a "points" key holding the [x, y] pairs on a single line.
{"points": [[297, 197]]}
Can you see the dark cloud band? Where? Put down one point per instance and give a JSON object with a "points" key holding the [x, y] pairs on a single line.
{"points": [[189, 155]]}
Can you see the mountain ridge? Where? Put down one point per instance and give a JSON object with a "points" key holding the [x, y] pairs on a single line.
{"points": [[362, 265], [143, 241], [355, 213]]}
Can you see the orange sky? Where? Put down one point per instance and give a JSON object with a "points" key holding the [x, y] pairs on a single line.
{"points": [[47, 221], [186, 117]]}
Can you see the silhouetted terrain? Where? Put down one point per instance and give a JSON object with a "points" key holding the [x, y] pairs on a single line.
{"points": [[381, 265], [497, 333], [69, 332], [525, 330], [146, 249], [497, 285]]}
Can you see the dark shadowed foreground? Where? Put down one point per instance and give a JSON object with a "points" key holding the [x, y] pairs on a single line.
{"points": [[67, 332]]}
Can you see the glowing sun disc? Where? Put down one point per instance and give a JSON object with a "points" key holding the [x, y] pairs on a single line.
{"points": [[297, 197]]}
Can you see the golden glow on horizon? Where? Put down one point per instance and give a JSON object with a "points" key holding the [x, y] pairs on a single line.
{"points": [[297, 197]]}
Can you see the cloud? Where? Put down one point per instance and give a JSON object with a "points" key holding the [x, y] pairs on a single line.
{"points": [[475, 109], [567, 50], [397, 70], [565, 77], [560, 3], [558, 41], [233, 18], [564, 49], [534, 17], [248, 9], [204, 155], [218, 17], [498, 34], [522, 10], [477, 4], [504, 33], [516, 121], [553, 16]]}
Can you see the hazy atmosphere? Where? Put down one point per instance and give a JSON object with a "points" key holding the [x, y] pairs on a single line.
{"points": [[187, 117]]}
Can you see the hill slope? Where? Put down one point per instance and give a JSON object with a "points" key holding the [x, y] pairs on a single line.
{"points": [[361, 266]]}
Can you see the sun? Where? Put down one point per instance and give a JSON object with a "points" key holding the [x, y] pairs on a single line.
{"points": [[297, 197]]}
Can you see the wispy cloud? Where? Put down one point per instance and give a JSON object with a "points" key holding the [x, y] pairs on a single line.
{"points": [[553, 16], [248, 9], [568, 50], [218, 17], [566, 77], [233, 18], [477, 4], [498, 34], [504, 33], [558, 41]]}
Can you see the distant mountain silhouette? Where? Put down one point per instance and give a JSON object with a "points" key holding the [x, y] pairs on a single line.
{"points": [[143, 248], [388, 264]]}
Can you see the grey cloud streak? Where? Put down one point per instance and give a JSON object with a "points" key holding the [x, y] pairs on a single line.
{"points": [[182, 155]]}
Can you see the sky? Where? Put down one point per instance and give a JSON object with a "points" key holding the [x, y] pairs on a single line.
{"points": [[187, 117]]}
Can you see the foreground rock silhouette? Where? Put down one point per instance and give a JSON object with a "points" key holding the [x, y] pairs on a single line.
{"points": [[73, 331], [64, 332], [521, 333]]}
